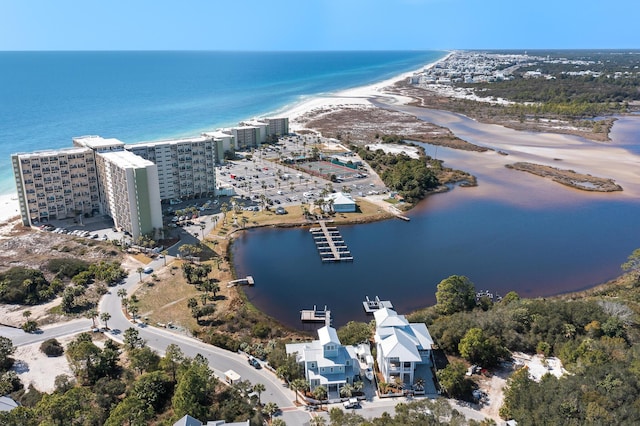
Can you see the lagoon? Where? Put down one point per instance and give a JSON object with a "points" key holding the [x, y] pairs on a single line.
{"points": [[513, 232]]}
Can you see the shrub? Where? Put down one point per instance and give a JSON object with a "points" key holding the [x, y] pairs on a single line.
{"points": [[52, 348], [260, 330]]}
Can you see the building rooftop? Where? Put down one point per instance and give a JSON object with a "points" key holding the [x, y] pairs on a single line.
{"points": [[168, 141], [126, 159], [51, 152], [98, 143]]}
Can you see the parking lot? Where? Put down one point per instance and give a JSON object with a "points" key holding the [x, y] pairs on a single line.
{"points": [[261, 174]]}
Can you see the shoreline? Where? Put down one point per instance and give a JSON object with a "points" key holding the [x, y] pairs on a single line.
{"points": [[361, 95]]}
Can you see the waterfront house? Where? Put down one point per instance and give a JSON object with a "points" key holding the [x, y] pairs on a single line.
{"points": [[326, 361], [403, 349]]}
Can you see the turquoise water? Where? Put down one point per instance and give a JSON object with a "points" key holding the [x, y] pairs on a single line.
{"points": [[46, 98]]}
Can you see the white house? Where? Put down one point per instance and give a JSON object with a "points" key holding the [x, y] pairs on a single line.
{"points": [[403, 349], [341, 202], [326, 361]]}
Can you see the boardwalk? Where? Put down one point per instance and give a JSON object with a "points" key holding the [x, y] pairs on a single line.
{"points": [[241, 281], [330, 244]]}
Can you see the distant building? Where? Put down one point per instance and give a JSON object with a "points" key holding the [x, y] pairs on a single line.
{"points": [[277, 126], [186, 167], [246, 137]]}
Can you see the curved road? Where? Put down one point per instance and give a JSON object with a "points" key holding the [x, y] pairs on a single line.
{"points": [[220, 360]]}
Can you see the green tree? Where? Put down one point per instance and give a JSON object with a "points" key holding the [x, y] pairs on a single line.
{"points": [[171, 360], [131, 411], [144, 359], [132, 339], [153, 389], [73, 407], [105, 317], [193, 394], [299, 385], [320, 393], [452, 379], [455, 294], [140, 270], [476, 347], [354, 332], [92, 314], [632, 265], [6, 350], [259, 388]]}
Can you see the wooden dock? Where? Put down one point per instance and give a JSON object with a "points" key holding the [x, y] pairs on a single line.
{"points": [[330, 244], [316, 315], [241, 281], [370, 306]]}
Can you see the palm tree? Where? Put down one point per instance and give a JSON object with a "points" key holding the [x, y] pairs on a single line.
{"points": [[320, 393], [318, 421], [93, 314], [224, 208], [26, 314], [140, 270], [165, 253], [244, 221], [259, 388], [104, 317], [270, 409], [346, 391], [133, 310], [299, 385]]}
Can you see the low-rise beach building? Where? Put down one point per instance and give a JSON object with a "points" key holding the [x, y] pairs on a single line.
{"points": [[403, 349], [326, 361], [340, 202]]}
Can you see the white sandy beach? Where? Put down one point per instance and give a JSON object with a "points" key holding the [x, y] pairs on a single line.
{"points": [[9, 207], [358, 96]]}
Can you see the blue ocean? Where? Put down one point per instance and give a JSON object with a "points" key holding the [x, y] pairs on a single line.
{"points": [[46, 98]]}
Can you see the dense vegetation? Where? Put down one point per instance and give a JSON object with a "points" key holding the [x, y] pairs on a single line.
{"points": [[130, 385], [412, 178], [596, 338], [27, 286]]}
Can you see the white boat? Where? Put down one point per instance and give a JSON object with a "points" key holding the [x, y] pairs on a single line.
{"points": [[369, 374]]}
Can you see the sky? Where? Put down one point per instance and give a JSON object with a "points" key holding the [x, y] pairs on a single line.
{"points": [[268, 25]]}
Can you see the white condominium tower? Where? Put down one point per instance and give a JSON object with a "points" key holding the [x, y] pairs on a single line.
{"points": [[186, 167], [130, 192], [56, 184]]}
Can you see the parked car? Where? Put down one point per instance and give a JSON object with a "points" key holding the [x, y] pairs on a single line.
{"points": [[254, 363]]}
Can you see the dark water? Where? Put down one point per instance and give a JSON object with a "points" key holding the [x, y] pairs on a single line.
{"points": [[499, 246], [514, 231]]}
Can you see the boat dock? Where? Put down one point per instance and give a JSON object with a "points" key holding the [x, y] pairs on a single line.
{"points": [[370, 306], [330, 244], [241, 281], [316, 315]]}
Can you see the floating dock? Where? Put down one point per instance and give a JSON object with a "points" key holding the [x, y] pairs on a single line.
{"points": [[241, 281], [330, 244], [370, 306], [316, 315]]}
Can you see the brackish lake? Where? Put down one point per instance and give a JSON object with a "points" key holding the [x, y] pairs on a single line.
{"points": [[514, 231]]}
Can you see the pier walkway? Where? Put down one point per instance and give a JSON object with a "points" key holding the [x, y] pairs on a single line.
{"points": [[330, 244], [241, 281]]}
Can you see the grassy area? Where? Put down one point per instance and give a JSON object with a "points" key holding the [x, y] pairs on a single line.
{"points": [[166, 300]]}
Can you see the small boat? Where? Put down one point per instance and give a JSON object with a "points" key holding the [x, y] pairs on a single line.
{"points": [[369, 374]]}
